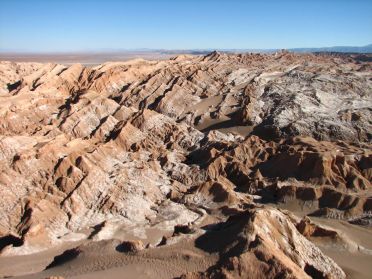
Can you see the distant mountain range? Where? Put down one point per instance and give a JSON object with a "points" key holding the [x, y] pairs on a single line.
{"points": [[341, 49], [348, 49], [146, 51]]}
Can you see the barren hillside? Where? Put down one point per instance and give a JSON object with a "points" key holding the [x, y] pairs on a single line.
{"points": [[215, 166]]}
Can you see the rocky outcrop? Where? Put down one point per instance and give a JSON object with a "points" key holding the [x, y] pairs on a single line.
{"points": [[309, 229], [130, 246], [321, 163], [256, 242]]}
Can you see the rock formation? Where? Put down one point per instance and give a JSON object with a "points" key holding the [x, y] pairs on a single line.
{"points": [[129, 148]]}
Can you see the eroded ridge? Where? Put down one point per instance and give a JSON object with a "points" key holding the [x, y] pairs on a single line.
{"points": [[152, 154]]}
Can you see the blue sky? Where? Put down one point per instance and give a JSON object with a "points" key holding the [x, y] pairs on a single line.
{"points": [[80, 25]]}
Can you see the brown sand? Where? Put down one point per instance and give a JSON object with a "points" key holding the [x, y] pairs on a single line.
{"points": [[101, 260]]}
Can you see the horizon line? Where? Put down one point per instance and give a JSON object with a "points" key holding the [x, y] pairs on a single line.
{"points": [[113, 50]]}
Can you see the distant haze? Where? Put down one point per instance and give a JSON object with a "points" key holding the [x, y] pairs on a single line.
{"points": [[90, 58]]}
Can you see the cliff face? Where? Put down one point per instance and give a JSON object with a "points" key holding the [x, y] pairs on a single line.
{"points": [[148, 144]]}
